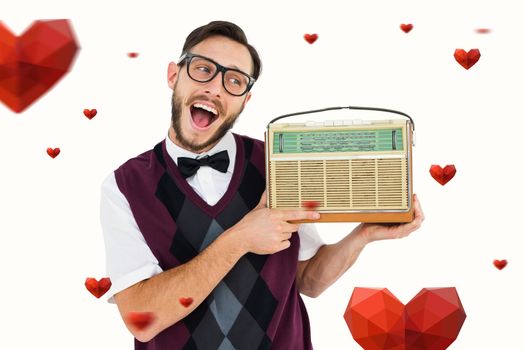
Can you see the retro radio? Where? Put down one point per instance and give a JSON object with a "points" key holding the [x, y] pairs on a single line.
{"points": [[353, 170]]}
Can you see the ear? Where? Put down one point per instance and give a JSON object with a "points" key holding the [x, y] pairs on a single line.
{"points": [[248, 96], [173, 71]]}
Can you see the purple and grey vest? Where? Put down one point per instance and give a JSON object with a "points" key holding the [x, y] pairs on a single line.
{"points": [[256, 305]]}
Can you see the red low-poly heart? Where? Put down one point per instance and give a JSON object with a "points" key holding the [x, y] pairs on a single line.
{"points": [[310, 38], [430, 321], [53, 152], [31, 64], [406, 27], [90, 113], [443, 175], [140, 320], [500, 264], [186, 302], [133, 54], [98, 288], [467, 59], [310, 205]]}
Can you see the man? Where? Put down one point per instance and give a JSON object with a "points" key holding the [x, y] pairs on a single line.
{"points": [[192, 241]]}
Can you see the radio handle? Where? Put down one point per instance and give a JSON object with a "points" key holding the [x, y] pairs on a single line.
{"points": [[352, 107]]}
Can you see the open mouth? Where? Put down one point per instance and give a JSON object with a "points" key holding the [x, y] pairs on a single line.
{"points": [[202, 115]]}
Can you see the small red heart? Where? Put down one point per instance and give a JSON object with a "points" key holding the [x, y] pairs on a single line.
{"points": [[90, 113], [483, 30], [311, 38], [140, 320], [443, 175], [406, 27], [311, 205], [133, 54], [500, 264], [98, 288], [185, 301], [467, 60], [53, 152]]}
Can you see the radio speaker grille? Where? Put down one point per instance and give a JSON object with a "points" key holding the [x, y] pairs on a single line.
{"points": [[346, 184]]}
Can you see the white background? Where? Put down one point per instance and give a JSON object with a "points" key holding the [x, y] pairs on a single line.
{"points": [[50, 236]]}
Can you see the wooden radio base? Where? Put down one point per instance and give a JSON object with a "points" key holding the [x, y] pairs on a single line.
{"points": [[386, 217]]}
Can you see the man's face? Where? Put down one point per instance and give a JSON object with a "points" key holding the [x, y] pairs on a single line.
{"points": [[202, 113]]}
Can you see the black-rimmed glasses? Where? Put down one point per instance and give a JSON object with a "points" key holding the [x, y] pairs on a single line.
{"points": [[203, 69]]}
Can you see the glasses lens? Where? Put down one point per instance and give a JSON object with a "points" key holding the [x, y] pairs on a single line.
{"points": [[201, 69], [235, 82]]}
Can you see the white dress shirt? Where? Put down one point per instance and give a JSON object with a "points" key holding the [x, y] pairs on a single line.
{"points": [[129, 259]]}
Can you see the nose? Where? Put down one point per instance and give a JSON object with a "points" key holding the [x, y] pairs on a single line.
{"points": [[214, 86]]}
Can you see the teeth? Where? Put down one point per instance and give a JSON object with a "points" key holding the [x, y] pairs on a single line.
{"points": [[206, 108]]}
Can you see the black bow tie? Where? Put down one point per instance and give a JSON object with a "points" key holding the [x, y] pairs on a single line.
{"points": [[189, 166]]}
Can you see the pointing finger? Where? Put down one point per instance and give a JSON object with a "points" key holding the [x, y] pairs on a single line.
{"points": [[291, 215]]}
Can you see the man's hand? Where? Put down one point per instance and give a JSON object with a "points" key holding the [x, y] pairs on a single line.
{"points": [[376, 232], [267, 231]]}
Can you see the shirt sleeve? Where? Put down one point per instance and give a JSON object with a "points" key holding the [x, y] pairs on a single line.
{"points": [[310, 241], [129, 259]]}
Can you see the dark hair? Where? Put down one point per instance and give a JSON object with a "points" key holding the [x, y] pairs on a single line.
{"points": [[229, 30]]}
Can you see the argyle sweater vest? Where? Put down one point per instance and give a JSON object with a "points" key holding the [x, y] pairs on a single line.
{"points": [[256, 305]]}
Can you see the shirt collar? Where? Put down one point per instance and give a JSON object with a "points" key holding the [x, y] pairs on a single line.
{"points": [[227, 143]]}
